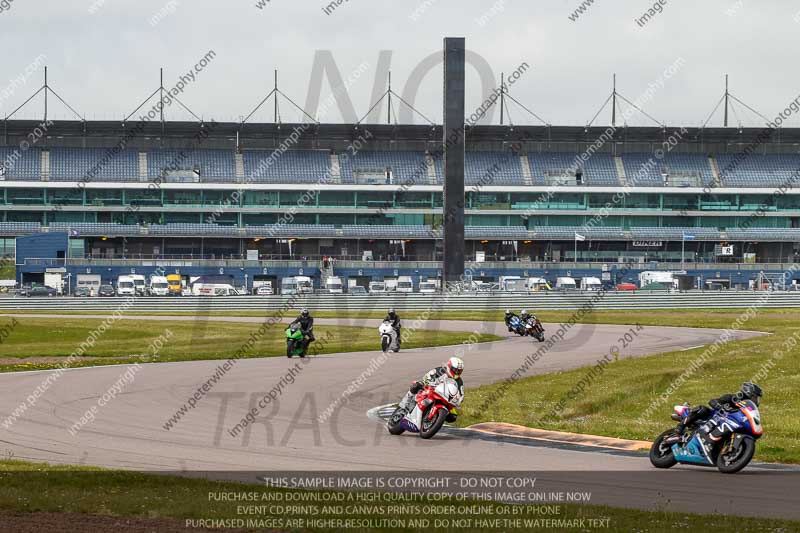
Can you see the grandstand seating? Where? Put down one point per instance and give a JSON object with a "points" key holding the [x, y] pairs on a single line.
{"points": [[93, 164], [25, 165], [213, 165], [568, 232], [492, 168], [290, 230], [690, 165], [19, 228], [599, 169], [405, 166], [757, 170], [372, 232], [641, 171], [368, 167], [699, 234], [192, 229], [498, 232], [293, 166], [764, 234], [92, 228]]}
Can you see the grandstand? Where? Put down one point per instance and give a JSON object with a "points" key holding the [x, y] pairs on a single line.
{"points": [[529, 193]]}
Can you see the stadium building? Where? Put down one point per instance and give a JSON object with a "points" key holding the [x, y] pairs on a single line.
{"points": [[270, 200]]}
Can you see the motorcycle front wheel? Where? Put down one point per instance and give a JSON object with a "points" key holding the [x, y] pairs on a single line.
{"points": [[738, 458], [289, 348], [431, 427], [384, 344], [661, 455]]}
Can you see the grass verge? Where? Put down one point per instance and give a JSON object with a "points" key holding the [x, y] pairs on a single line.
{"points": [[81, 491], [31, 339], [614, 401]]}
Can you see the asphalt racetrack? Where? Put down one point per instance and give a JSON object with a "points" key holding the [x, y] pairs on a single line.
{"points": [[299, 429]]}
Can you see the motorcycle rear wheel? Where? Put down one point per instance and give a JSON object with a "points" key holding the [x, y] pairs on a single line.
{"points": [[661, 455], [743, 455], [432, 428], [393, 425]]}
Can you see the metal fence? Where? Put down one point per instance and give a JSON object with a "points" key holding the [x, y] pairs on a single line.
{"points": [[415, 301]]}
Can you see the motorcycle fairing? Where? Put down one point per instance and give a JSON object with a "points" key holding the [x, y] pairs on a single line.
{"points": [[693, 452]]}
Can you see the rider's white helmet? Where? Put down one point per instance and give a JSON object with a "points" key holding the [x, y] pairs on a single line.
{"points": [[455, 366], [523, 311]]}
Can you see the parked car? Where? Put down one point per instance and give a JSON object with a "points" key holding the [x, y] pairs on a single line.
{"points": [[41, 290], [357, 289], [626, 287], [264, 290], [106, 290], [81, 292]]}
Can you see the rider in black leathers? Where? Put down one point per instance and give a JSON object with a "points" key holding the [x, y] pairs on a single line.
{"points": [[394, 319], [306, 323], [726, 402]]}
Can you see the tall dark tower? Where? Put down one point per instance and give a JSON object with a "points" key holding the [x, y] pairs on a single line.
{"points": [[453, 208]]}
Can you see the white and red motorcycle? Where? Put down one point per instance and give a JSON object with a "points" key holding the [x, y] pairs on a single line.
{"points": [[431, 407]]}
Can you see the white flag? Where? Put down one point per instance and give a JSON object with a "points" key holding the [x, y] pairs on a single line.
{"points": [[579, 237]]}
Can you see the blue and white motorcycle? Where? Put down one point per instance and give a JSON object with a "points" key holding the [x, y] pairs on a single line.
{"points": [[727, 440], [516, 325]]}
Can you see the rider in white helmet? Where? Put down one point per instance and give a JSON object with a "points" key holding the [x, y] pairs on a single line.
{"points": [[452, 369]]}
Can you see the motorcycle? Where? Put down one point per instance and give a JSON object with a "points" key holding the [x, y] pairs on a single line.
{"points": [[389, 340], [432, 405], [295, 341], [737, 432], [516, 325], [534, 328]]}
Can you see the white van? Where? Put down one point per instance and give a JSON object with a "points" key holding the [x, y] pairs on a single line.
{"points": [[296, 285], [404, 284], [139, 283], [566, 284], [158, 286], [334, 285], [126, 286], [91, 281], [591, 283], [512, 284], [537, 284], [377, 287], [666, 279], [213, 289], [428, 287]]}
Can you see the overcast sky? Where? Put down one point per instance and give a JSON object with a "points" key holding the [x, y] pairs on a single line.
{"points": [[104, 63]]}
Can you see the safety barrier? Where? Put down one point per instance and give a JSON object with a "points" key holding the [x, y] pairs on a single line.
{"points": [[464, 302]]}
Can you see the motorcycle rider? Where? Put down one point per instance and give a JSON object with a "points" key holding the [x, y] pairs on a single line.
{"points": [[394, 319], [525, 316], [452, 369], [726, 402], [509, 315], [306, 323]]}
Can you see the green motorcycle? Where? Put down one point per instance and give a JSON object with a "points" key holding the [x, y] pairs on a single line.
{"points": [[295, 341]]}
